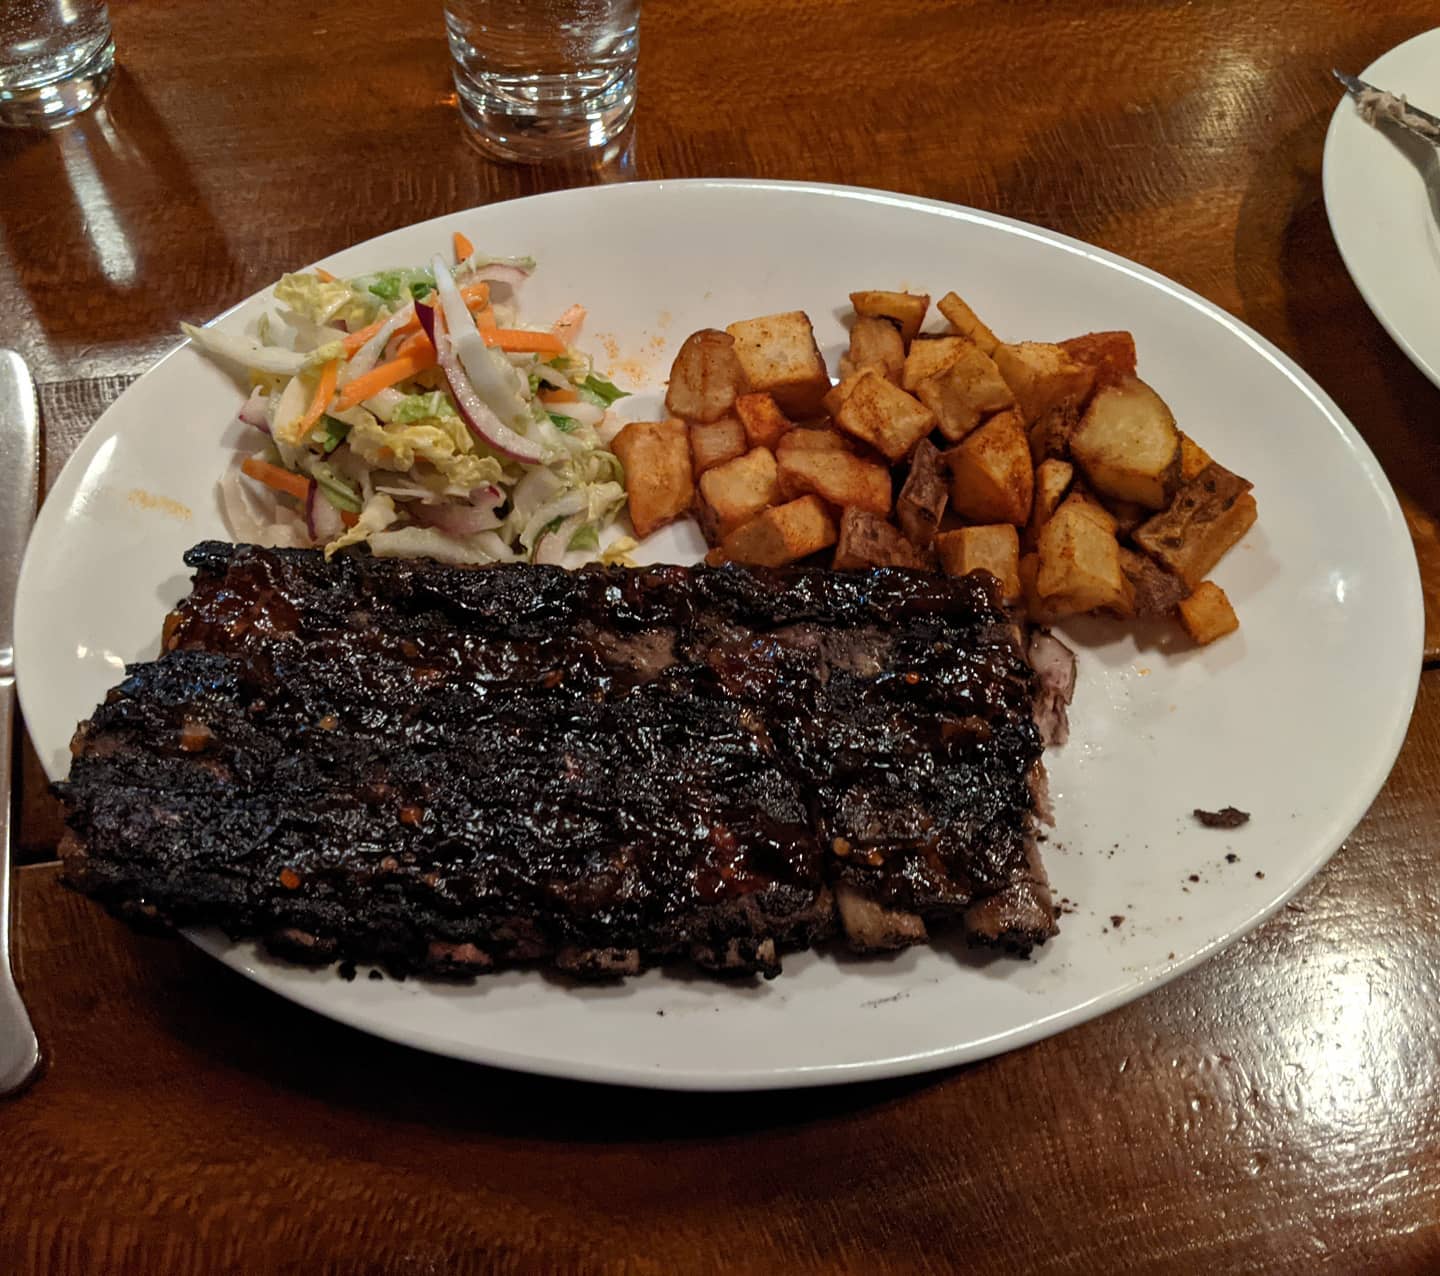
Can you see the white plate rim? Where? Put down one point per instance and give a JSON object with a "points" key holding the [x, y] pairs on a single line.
{"points": [[1371, 285], [1343, 822]]}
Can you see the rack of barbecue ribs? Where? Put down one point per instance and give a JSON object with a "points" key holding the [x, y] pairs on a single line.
{"points": [[450, 769]]}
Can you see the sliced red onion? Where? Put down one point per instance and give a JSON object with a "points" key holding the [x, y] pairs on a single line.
{"points": [[482, 422], [426, 314], [253, 410], [322, 520], [495, 381], [458, 520], [553, 546]]}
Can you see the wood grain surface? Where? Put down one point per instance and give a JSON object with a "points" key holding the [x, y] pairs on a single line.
{"points": [[1274, 1111]]}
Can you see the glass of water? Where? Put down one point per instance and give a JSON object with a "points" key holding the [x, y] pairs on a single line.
{"points": [[55, 59], [540, 78]]}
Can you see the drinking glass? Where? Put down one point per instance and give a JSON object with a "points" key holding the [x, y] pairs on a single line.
{"points": [[55, 59], [540, 78]]}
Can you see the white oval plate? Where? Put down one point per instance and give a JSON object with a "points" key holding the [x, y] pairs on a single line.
{"points": [[1296, 719], [1382, 195]]}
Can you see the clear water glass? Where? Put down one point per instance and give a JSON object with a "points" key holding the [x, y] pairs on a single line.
{"points": [[56, 57], [537, 79]]}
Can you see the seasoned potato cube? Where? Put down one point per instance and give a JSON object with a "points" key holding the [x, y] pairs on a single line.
{"points": [[882, 415], [906, 309], [715, 443], [1207, 614], [926, 356], [763, 421], [1042, 376], [966, 389], [1111, 354], [1085, 503], [1209, 515], [990, 476], [1052, 481], [811, 438], [867, 541], [1127, 515], [781, 534], [778, 354], [922, 499], [705, 377], [1193, 458], [656, 457], [1128, 445], [875, 342], [1036, 608], [995, 549], [967, 323], [1156, 591], [840, 477], [1050, 435], [1079, 566], [735, 492], [834, 398]]}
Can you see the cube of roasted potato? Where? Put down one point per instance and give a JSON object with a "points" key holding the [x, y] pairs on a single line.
{"points": [[1052, 481], [1083, 501], [1127, 515], [763, 421], [658, 481], [967, 323], [1156, 591], [716, 442], [1042, 376], [926, 356], [1050, 435], [1207, 614], [812, 438], [1111, 354], [968, 387], [905, 308], [1079, 568], [778, 354], [1193, 458], [705, 377], [875, 342], [1208, 515], [840, 477], [1036, 608], [780, 535], [995, 549], [922, 499], [990, 476], [735, 492], [882, 415], [867, 541], [1128, 445]]}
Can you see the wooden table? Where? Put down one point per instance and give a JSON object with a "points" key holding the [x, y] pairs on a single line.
{"points": [[1278, 1110]]}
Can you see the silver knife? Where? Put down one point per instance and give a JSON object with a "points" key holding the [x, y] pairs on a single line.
{"points": [[1396, 108], [19, 480]]}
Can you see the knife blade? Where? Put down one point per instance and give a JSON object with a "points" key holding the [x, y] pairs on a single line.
{"points": [[19, 486], [1407, 115]]}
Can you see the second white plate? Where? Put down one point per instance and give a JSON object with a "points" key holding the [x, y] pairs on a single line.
{"points": [[1296, 719]]}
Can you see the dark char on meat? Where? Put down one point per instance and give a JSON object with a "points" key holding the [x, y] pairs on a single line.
{"points": [[448, 769]]}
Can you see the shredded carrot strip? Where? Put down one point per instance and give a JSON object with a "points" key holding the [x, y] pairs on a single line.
{"points": [[558, 396], [296, 485], [386, 375], [485, 320], [475, 295], [355, 340], [518, 341], [324, 392], [349, 519], [463, 247], [325, 276]]}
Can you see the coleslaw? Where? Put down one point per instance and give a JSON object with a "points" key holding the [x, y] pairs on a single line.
{"points": [[408, 410]]}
